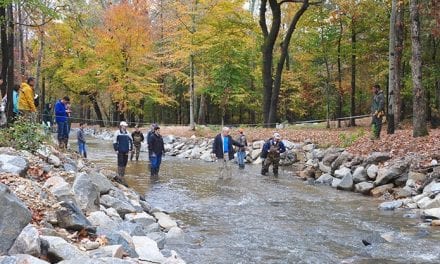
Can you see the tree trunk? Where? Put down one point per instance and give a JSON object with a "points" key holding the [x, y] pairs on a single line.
{"points": [[419, 98], [202, 110], [11, 77], [94, 101], [398, 73], [353, 73], [39, 63], [340, 93], [284, 52], [4, 47], [21, 40], [391, 68], [192, 124]]}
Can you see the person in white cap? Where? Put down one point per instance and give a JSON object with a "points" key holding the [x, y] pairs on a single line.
{"points": [[271, 154], [122, 144], [223, 151]]}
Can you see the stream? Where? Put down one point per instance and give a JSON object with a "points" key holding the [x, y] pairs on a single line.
{"points": [[256, 219]]}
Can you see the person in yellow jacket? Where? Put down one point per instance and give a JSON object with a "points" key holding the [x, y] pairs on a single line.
{"points": [[26, 104]]}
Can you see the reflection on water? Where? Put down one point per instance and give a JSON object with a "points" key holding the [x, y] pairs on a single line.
{"points": [[255, 219]]}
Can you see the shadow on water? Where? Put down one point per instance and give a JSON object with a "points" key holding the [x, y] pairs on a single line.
{"points": [[255, 219]]}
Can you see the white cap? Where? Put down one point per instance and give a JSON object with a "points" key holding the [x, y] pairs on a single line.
{"points": [[276, 136], [123, 123]]}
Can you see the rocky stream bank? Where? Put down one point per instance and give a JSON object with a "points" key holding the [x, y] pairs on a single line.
{"points": [[56, 207]]}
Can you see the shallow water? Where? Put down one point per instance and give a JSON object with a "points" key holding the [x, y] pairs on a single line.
{"points": [[254, 219]]}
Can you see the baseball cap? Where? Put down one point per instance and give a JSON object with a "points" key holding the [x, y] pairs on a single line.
{"points": [[277, 136], [123, 123]]}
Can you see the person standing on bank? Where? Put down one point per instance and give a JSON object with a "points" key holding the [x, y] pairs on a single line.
{"points": [[26, 102], [61, 117], [156, 149], [271, 154], [241, 153], [222, 150], [377, 111], [138, 138], [81, 136], [122, 144]]}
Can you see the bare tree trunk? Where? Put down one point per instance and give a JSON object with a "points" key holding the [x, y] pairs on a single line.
{"points": [[94, 101], [11, 76], [419, 98], [192, 124], [398, 54], [391, 67], [4, 47], [39, 63], [21, 40], [353, 73], [202, 110], [340, 73]]}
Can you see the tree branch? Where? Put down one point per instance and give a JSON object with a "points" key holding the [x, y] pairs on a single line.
{"points": [[300, 1], [263, 23]]}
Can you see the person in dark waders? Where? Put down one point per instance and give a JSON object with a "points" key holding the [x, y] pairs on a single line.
{"points": [[156, 150], [138, 138], [223, 151], [271, 154], [241, 153], [377, 111], [122, 144]]}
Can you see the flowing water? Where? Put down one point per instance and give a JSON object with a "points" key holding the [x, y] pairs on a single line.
{"points": [[256, 219]]}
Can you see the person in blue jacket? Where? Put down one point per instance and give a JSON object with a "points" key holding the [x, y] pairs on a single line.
{"points": [[61, 117], [156, 150], [271, 154], [222, 150], [122, 144]]}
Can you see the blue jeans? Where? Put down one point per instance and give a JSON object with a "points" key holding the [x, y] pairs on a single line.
{"points": [[156, 160], [240, 157], [82, 149], [63, 130]]}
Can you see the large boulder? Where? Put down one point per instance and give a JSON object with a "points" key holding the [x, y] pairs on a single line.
{"points": [[346, 183], [170, 139], [113, 251], [372, 171], [122, 206], [336, 182], [343, 158], [59, 188], [141, 218], [101, 219], [175, 236], [324, 168], [70, 217], [360, 175], [433, 187], [329, 157], [401, 180], [86, 193], [386, 175], [363, 187], [258, 144], [433, 213], [380, 190], [21, 259], [147, 249], [159, 237], [428, 203], [417, 176], [54, 160], [28, 242], [13, 164], [118, 237], [342, 172], [60, 249], [377, 157], [325, 179], [103, 183], [206, 156], [14, 216], [390, 206]]}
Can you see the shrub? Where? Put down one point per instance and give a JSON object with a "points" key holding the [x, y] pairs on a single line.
{"points": [[348, 139], [23, 135]]}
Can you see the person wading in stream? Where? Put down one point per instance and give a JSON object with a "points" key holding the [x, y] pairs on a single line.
{"points": [[377, 111], [223, 151], [61, 117], [138, 138], [241, 153], [271, 154], [122, 144], [156, 150]]}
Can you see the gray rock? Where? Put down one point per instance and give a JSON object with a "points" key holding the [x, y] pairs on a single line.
{"points": [[152, 228], [54, 160], [147, 249], [206, 156], [342, 172], [380, 190], [363, 187], [141, 218], [159, 237], [107, 260], [401, 180], [174, 259], [346, 183], [146, 206], [21, 259], [59, 188], [117, 237], [372, 171], [91, 245], [70, 167], [432, 213], [377, 157], [325, 179], [309, 147], [28, 242], [258, 144], [386, 175], [428, 203], [101, 219], [13, 164], [403, 193], [360, 175], [329, 158], [104, 185], [416, 176], [390, 206], [114, 251], [175, 236], [170, 139], [122, 206], [343, 158], [86, 193], [165, 220], [433, 187], [70, 217], [11, 208], [59, 248], [324, 168], [336, 182]]}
